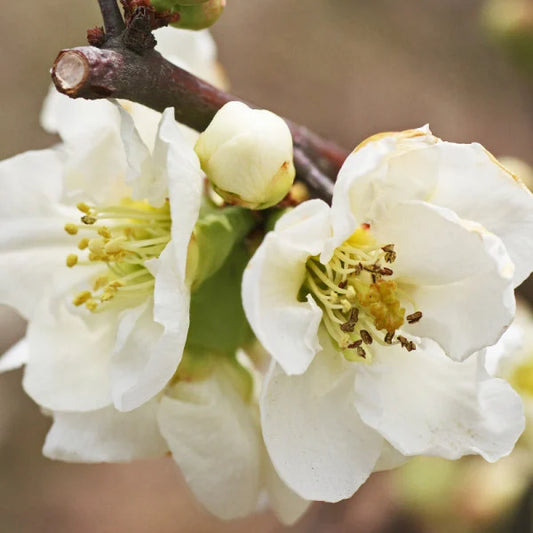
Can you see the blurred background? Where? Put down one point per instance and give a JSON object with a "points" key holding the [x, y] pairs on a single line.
{"points": [[346, 69]]}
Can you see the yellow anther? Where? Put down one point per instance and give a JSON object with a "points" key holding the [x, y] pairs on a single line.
{"points": [[346, 306], [72, 259], [91, 305], [100, 282], [81, 298], [115, 246], [71, 229], [97, 247], [116, 284], [104, 232], [107, 295], [83, 243], [83, 207]]}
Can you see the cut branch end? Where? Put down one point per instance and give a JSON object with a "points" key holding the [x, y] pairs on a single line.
{"points": [[70, 71]]}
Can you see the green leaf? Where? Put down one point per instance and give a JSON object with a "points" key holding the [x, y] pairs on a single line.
{"points": [[215, 235], [217, 321]]}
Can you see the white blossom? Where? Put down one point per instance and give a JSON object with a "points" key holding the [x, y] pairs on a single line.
{"points": [[110, 330], [371, 309]]}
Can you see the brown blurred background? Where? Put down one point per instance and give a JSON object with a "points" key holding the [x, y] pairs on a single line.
{"points": [[345, 68]]}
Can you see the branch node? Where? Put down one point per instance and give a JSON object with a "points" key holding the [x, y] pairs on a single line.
{"points": [[138, 33]]}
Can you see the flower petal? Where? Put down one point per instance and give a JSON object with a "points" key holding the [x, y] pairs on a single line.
{"points": [[317, 442], [474, 185], [458, 274], [151, 338], [215, 441], [390, 458], [15, 357], [176, 165], [139, 173], [286, 504], [286, 327], [425, 404], [105, 435], [195, 51], [68, 365], [372, 178]]}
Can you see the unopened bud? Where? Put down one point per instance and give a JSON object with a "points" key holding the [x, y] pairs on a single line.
{"points": [[247, 156], [194, 14]]}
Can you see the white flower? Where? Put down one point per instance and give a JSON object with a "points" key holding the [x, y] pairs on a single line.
{"points": [[210, 425], [110, 330], [247, 155], [365, 307]]}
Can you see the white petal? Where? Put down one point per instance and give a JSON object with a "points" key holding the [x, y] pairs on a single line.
{"points": [[390, 458], [378, 173], [215, 441], [68, 365], [106, 435], [31, 185], [474, 185], [459, 276], [139, 173], [425, 404], [76, 118], [151, 338], [194, 51], [286, 504], [316, 440], [286, 327], [15, 357], [178, 167]]}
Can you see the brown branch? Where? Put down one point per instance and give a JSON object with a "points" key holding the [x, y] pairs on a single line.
{"points": [[128, 67], [113, 22]]}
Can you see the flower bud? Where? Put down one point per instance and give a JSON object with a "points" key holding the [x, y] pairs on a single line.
{"points": [[247, 156], [194, 14]]}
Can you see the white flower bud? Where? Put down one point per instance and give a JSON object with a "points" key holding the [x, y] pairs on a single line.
{"points": [[247, 155]]}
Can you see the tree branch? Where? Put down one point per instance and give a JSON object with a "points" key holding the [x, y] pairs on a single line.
{"points": [[113, 22], [128, 69]]}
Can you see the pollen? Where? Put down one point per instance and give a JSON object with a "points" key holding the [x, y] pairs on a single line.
{"points": [[359, 297]]}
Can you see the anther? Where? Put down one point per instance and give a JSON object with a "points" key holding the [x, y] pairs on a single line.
{"points": [[365, 336], [357, 269], [81, 298], [342, 284], [415, 317], [83, 243], [390, 254], [407, 344], [384, 271], [83, 207], [355, 344], [389, 337], [71, 229], [349, 326], [88, 219], [72, 259], [374, 269], [104, 232], [361, 352]]}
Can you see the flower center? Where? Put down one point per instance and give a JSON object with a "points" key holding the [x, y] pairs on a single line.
{"points": [[360, 301], [122, 238]]}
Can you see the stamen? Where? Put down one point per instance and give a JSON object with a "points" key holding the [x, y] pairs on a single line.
{"points": [[415, 317], [134, 233], [352, 292]]}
